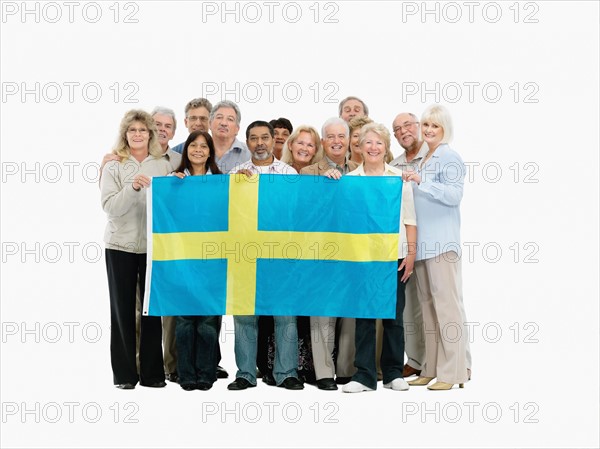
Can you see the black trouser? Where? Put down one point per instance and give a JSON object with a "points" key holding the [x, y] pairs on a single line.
{"points": [[124, 271], [265, 344], [392, 356], [197, 340]]}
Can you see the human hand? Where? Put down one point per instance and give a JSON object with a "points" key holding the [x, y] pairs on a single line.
{"points": [[107, 158], [140, 181], [333, 173], [410, 175], [408, 265], [245, 171]]}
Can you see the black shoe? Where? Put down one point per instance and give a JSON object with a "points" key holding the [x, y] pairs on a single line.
{"points": [[326, 384], [342, 380], [188, 387], [291, 383], [172, 377], [203, 386], [221, 373], [240, 384], [269, 379], [160, 384], [125, 386]]}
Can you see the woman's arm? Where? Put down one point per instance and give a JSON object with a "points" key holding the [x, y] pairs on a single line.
{"points": [[409, 261], [117, 197], [443, 179]]}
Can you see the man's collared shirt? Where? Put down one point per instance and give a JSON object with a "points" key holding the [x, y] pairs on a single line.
{"points": [[401, 162], [275, 168], [344, 170], [178, 148], [234, 157], [173, 157]]}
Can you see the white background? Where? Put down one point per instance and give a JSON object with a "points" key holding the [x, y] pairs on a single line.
{"points": [[541, 373]]}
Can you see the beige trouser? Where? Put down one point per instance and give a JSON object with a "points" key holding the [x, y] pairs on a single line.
{"points": [[414, 338], [323, 340], [439, 287], [169, 346]]}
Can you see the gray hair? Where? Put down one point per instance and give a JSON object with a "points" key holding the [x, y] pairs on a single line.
{"points": [[343, 102], [198, 103], [334, 121], [226, 104], [165, 111]]}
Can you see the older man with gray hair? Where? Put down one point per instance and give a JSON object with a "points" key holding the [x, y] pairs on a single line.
{"points": [[351, 107], [407, 132], [224, 123], [166, 124], [334, 137]]}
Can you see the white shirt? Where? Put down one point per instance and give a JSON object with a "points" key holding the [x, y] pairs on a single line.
{"points": [[276, 167]]}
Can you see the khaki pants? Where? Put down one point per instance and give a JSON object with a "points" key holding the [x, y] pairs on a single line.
{"points": [[439, 287], [323, 340]]}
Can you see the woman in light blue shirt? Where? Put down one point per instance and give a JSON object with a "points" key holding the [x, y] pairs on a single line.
{"points": [[438, 190]]}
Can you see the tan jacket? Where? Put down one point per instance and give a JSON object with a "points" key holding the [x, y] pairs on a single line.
{"points": [[126, 208], [322, 166]]}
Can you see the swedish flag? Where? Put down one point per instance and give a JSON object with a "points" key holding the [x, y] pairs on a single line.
{"points": [[273, 245]]}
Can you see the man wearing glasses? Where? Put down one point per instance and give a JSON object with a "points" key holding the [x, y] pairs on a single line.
{"points": [[407, 132], [196, 118]]}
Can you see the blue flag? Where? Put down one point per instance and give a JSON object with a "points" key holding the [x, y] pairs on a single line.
{"points": [[273, 245]]}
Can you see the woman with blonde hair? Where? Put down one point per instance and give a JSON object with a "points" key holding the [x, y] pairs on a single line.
{"points": [[303, 148], [123, 198], [438, 190], [374, 144]]}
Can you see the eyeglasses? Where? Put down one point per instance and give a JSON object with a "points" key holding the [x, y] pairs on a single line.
{"points": [[137, 130], [195, 118], [405, 126]]}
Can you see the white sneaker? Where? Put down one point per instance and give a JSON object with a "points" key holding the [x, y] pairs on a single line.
{"points": [[398, 384], [355, 387]]}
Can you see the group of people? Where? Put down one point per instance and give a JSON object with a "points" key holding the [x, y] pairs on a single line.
{"points": [[289, 351]]}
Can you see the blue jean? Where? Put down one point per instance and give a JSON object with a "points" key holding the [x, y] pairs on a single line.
{"points": [[197, 339], [286, 347], [392, 355]]}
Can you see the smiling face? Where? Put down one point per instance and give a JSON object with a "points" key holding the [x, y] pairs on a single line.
{"points": [[303, 148], [351, 109], [138, 136], [166, 129], [406, 131], [198, 152], [373, 148], [224, 124], [260, 143], [335, 142], [432, 134]]}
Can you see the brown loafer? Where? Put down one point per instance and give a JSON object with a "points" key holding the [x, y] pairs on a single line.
{"points": [[410, 371]]}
